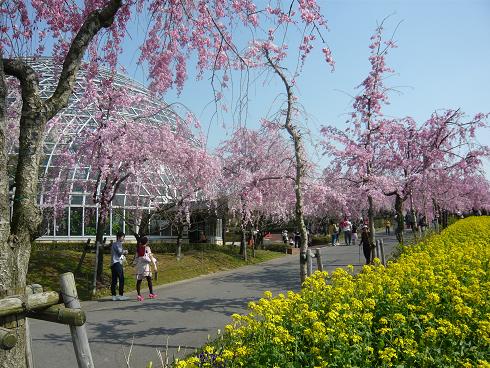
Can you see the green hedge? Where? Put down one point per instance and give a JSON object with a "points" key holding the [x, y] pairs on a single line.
{"points": [[156, 247]]}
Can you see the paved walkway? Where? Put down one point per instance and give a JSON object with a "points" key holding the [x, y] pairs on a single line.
{"points": [[185, 312]]}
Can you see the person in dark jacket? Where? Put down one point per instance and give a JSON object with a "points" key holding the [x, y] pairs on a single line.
{"points": [[117, 271], [297, 239], [366, 244]]}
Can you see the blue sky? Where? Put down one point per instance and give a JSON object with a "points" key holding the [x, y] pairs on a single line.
{"points": [[442, 61]]}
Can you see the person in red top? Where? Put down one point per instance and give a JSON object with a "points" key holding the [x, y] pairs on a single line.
{"points": [[144, 259]]}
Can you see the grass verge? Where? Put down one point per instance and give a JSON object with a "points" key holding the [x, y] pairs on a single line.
{"points": [[45, 266]]}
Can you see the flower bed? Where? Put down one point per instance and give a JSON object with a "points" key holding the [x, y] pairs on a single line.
{"points": [[430, 308]]}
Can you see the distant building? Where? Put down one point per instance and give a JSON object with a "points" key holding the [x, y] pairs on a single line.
{"points": [[78, 221]]}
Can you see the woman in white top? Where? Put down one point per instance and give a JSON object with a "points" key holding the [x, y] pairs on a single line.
{"points": [[144, 260]]}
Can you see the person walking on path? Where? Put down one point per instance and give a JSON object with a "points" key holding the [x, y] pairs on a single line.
{"points": [[347, 230], [117, 271], [332, 230], [387, 226], [144, 258], [365, 243], [354, 233], [285, 236], [297, 239]]}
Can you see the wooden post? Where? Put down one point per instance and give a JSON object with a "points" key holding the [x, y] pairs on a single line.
{"points": [[30, 289], [319, 259], [78, 333], [94, 283], [381, 247], [8, 338], [29, 361], [85, 250], [309, 263]]}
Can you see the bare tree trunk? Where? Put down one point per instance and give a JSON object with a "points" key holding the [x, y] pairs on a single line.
{"points": [[243, 243], [300, 168], [372, 229], [260, 239], [180, 231], [5, 259], [399, 218], [26, 216], [99, 239], [15, 237], [223, 230], [144, 225], [224, 219], [224, 225], [445, 218], [13, 249], [413, 215], [437, 215]]}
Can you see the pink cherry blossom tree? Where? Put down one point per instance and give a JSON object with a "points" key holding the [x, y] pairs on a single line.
{"points": [[71, 29], [357, 148], [195, 177], [396, 157], [412, 155], [258, 169]]}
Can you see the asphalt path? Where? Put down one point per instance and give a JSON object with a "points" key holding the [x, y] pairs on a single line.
{"points": [[182, 318]]}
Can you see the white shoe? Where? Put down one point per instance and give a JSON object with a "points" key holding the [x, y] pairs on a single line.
{"points": [[122, 297], [114, 298]]}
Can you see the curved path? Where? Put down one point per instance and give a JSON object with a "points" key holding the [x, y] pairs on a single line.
{"points": [[185, 313]]}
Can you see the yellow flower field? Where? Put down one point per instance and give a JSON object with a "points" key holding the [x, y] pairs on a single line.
{"points": [[430, 308]]}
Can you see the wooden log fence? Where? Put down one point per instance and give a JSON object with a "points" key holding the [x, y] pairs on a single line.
{"points": [[309, 261], [78, 333], [21, 304], [8, 338], [318, 257], [60, 314], [45, 305]]}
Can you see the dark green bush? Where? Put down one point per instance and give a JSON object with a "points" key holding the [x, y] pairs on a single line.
{"points": [[277, 247], [156, 247]]}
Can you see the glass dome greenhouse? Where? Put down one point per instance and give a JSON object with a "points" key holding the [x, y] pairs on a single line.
{"points": [[78, 218]]}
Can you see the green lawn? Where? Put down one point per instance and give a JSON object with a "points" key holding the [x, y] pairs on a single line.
{"points": [[45, 266]]}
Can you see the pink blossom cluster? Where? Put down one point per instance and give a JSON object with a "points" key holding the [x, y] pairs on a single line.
{"points": [[436, 163], [177, 30], [258, 173]]}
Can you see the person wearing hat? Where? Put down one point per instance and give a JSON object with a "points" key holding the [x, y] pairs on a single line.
{"points": [[365, 243]]}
